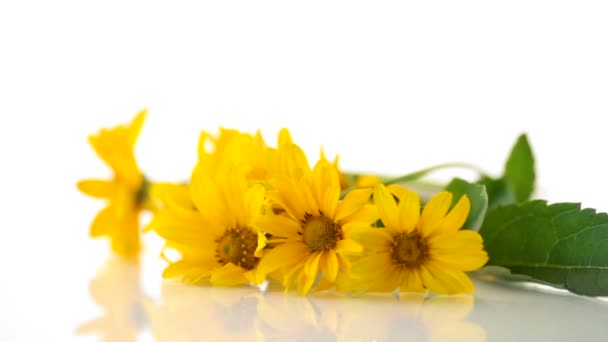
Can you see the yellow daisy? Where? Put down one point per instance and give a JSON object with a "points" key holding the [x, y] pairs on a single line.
{"points": [[126, 192], [209, 224], [417, 251], [312, 232]]}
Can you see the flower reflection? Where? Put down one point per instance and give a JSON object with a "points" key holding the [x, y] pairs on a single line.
{"points": [[411, 316], [283, 317], [116, 289], [188, 313]]}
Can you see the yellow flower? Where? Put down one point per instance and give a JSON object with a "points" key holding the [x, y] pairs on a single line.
{"points": [[209, 224], [232, 148], [417, 251], [126, 192], [312, 232]]}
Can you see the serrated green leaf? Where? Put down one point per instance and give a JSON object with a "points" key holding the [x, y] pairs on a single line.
{"points": [[558, 244], [519, 170], [479, 200]]}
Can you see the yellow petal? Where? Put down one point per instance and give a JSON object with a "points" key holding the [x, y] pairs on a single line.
{"points": [[296, 198], [391, 280], [124, 238], [254, 199], [228, 275], [368, 214], [104, 222], [188, 270], [305, 283], [234, 187], [412, 282], [454, 220], [397, 190], [387, 207], [206, 195], [325, 187], [284, 137], [442, 281], [371, 265], [331, 266], [262, 242], [353, 201], [344, 264], [251, 276], [348, 247], [282, 255], [135, 127], [460, 261], [277, 225], [373, 239], [409, 211], [311, 267], [462, 239], [434, 212], [179, 229], [97, 188]]}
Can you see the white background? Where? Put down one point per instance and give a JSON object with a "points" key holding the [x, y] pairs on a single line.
{"points": [[390, 86]]}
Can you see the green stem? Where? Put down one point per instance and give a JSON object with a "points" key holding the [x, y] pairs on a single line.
{"points": [[413, 178], [421, 173]]}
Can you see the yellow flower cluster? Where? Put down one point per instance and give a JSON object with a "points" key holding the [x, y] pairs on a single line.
{"points": [[252, 212]]}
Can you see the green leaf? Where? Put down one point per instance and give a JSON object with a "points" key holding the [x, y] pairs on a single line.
{"points": [[558, 244], [498, 190], [517, 182], [479, 201], [519, 169]]}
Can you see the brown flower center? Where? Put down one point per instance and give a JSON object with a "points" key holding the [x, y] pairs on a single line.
{"points": [[237, 246], [409, 250], [320, 233]]}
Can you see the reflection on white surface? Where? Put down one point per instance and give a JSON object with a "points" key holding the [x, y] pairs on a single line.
{"points": [[116, 290], [497, 312]]}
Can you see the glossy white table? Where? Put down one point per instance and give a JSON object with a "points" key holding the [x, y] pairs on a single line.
{"points": [[122, 301]]}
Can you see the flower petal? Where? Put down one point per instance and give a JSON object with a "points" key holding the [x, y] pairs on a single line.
{"points": [[228, 275], [370, 266], [353, 201], [282, 255], [311, 267], [348, 247], [390, 281], [104, 222], [409, 211], [412, 282], [387, 207], [254, 200], [331, 266], [454, 220], [373, 239], [434, 212], [442, 281], [189, 272], [277, 225], [97, 188]]}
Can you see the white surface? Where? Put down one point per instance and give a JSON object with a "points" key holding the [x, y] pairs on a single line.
{"points": [[392, 87]]}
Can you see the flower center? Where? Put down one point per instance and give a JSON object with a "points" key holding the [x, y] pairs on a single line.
{"points": [[237, 246], [320, 233], [409, 250]]}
